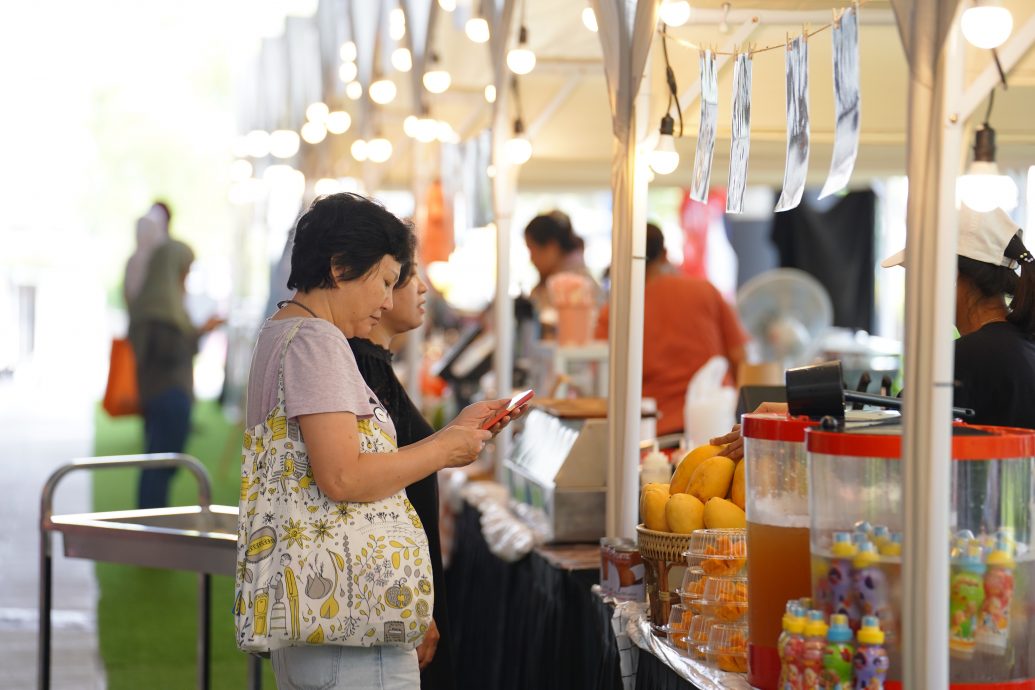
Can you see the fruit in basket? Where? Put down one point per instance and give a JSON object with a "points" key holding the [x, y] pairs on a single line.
{"points": [[737, 491], [685, 513], [689, 463], [711, 478], [653, 508], [720, 513]]}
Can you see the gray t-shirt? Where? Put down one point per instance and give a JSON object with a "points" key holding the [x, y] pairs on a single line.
{"points": [[320, 374]]}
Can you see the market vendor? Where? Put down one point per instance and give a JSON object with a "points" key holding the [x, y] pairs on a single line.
{"points": [[686, 322], [554, 248], [995, 316]]}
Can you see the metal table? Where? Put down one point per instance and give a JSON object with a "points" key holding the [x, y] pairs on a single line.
{"points": [[200, 538]]}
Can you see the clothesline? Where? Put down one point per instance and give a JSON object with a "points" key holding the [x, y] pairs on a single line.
{"points": [[751, 51]]}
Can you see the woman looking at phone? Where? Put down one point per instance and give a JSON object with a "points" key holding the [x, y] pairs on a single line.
{"points": [[374, 358]]}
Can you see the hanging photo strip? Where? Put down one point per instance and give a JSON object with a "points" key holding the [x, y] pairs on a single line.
{"points": [[797, 165], [846, 102], [741, 134], [706, 134]]}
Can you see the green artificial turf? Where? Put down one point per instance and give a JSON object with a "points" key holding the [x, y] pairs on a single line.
{"points": [[147, 618]]}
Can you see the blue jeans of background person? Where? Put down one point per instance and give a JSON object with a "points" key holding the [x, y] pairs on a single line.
{"points": [[333, 667], [166, 425]]}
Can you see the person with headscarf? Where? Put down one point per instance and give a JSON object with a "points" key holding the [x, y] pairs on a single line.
{"points": [[164, 341], [152, 230]]}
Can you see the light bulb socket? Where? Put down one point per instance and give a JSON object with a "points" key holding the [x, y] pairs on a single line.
{"points": [[668, 125], [523, 35], [984, 144], [519, 127]]}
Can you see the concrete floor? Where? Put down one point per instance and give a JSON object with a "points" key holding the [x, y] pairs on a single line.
{"points": [[43, 426]]}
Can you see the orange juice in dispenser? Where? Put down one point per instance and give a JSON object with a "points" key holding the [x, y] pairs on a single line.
{"points": [[855, 487]]}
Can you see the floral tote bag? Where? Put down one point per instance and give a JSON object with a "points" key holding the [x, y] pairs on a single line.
{"points": [[311, 570]]}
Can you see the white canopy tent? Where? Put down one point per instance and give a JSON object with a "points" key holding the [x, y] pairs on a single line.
{"points": [[917, 104]]}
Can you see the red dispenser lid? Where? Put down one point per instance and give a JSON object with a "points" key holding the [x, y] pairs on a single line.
{"points": [[775, 427], [969, 442]]}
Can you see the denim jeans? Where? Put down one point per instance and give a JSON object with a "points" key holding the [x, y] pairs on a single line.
{"points": [[333, 667], [166, 426]]}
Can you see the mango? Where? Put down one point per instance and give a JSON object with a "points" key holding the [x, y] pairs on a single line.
{"points": [[684, 513], [711, 478], [653, 509], [688, 464], [722, 514], [737, 491]]}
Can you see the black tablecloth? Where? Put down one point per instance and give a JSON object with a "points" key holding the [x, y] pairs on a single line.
{"points": [[531, 625]]}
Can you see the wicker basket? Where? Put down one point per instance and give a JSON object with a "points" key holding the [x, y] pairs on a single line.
{"points": [[662, 553]]}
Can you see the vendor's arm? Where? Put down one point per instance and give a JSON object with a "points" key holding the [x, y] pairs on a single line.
{"points": [[734, 441], [343, 473]]}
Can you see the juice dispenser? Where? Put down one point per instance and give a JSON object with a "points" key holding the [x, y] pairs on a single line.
{"points": [[777, 533], [856, 509]]}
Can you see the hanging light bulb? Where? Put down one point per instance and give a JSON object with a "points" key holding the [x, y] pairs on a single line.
{"points": [[664, 158], [258, 143], [447, 5], [477, 29], [397, 24], [317, 112], [410, 126], [436, 79], [354, 90], [426, 129], [348, 51], [314, 132], [589, 19], [382, 91], [284, 143], [445, 133], [326, 185], [359, 150], [338, 122], [490, 93], [982, 188], [241, 169], [674, 12], [521, 60], [402, 60], [986, 24], [379, 149], [518, 148], [348, 72]]}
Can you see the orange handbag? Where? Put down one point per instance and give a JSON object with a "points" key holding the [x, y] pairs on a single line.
{"points": [[122, 396]]}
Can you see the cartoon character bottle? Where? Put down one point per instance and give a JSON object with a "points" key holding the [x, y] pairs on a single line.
{"points": [[837, 657], [966, 595], [791, 651], [792, 612], [838, 591], [871, 660], [993, 631], [815, 644]]}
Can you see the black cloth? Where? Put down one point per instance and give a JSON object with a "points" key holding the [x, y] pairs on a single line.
{"points": [[836, 248], [526, 625], [375, 364], [995, 375], [165, 357]]}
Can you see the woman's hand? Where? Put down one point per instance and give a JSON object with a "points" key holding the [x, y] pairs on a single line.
{"points": [[428, 646], [734, 442], [476, 414], [460, 445]]}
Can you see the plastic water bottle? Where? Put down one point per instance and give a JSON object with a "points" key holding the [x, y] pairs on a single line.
{"points": [[993, 632], [838, 655], [871, 660], [812, 651]]}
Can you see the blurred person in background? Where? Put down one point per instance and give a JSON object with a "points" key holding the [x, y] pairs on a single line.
{"points": [[164, 341], [686, 322], [152, 230], [374, 358], [554, 248]]}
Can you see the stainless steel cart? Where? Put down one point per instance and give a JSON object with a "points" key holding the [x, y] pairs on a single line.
{"points": [[200, 538]]}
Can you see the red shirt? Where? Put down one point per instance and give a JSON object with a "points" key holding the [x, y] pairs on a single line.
{"points": [[685, 323]]}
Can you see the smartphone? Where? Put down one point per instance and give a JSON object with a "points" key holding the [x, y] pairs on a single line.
{"points": [[515, 402]]}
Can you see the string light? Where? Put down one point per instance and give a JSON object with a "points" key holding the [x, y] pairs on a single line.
{"points": [[359, 150], [348, 72], [521, 60], [589, 19], [338, 122], [674, 12], [348, 51], [986, 24], [354, 90], [664, 158], [436, 79], [314, 132], [382, 91], [397, 24], [490, 93], [257, 142], [284, 143], [982, 188], [379, 149], [447, 5], [402, 60], [477, 29]]}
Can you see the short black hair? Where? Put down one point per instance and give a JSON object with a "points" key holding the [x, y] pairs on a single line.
{"points": [[655, 248], [342, 237], [554, 226]]}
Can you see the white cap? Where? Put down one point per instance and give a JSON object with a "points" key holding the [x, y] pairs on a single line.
{"points": [[982, 237]]}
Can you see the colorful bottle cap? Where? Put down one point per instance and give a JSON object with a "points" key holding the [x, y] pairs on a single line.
{"points": [[791, 612], [972, 558], [870, 632], [1002, 554], [867, 555], [843, 547], [892, 547], [816, 625], [863, 527], [839, 631]]}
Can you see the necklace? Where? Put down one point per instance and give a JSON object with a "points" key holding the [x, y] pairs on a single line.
{"points": [[283, 303]]}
